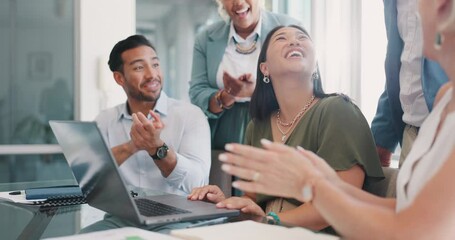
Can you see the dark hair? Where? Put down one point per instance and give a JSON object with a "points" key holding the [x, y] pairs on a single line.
{"points": [[263, 101], [115, 58]]}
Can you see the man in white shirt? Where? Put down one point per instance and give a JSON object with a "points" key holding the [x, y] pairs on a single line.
{"points": [[411, 82], [158, 142], [412, 99]]}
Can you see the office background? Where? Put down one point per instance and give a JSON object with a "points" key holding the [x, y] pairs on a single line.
{"points": [[53, 60]]}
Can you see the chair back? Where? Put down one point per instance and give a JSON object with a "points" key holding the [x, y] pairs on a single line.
{"points": [[218, 177], [385, 187]]}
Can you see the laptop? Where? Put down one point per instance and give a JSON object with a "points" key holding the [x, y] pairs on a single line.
{"points": [[96, 172]]}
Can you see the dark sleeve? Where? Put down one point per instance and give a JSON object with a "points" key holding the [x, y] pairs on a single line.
{"points": [[345, 138], [387, 125], [383, 127]]}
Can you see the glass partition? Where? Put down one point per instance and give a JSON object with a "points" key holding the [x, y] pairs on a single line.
{"points": [[37, 66]]}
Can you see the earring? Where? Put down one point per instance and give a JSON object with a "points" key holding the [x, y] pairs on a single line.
{"points": [[315, 75], [266, 79], [438, 39]]}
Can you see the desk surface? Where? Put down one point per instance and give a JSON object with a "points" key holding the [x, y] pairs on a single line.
{"points": [[19, 221]]}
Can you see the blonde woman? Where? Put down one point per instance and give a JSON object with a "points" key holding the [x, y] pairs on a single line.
{"points": [[224, 66]]}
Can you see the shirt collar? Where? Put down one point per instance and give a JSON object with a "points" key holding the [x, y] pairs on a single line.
{"points": [[161, 107], [257, 30]]}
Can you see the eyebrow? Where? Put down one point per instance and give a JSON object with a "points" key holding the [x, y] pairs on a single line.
{"points": [[279, 34], [142, 60]]}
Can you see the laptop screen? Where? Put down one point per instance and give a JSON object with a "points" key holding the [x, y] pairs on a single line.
{"points": [[94, 167]]}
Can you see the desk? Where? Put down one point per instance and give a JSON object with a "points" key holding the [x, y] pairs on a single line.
{"points": [[19, 221], [35, 222]]}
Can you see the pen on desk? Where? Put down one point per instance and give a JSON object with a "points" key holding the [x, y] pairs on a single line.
{"points": [[15, 193], [208, 222]]}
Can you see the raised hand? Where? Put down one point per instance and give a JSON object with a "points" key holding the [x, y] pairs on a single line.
{"points": [[242, 86], [145, 133], [277, 170]]}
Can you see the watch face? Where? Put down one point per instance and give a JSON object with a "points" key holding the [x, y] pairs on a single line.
{"points": [[162, 152]]}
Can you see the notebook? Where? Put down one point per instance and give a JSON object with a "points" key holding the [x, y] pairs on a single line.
{"points": [[246, 230], [96, 172], [53, 192]]}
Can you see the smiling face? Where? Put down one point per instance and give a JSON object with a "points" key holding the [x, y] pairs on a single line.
{"points": [[243, 13], [290, 50], [141, 76]]}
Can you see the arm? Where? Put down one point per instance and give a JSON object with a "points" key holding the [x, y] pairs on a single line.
{"points": [[123, 152], [387, 125], [348, 212], [146, 135], [201, 92], [381, 223], [193, 153], [383, 130], [308, 216]]}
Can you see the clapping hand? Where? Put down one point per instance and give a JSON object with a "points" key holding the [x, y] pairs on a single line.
{"points": [[277, 169], [242, 86], [145, 133]]}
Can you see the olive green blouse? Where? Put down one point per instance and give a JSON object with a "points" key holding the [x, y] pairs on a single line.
{"points": [[335, 129]]}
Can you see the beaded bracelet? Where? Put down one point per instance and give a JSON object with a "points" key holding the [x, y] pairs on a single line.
{"points": [[219, 101], [273, 218]]}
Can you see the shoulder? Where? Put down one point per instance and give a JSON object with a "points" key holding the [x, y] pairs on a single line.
{"points": [[339, 109], [216, 28], [336, 103], [109, 114], [184, 109]]}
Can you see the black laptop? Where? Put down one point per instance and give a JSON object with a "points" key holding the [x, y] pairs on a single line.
{"points": [[96, 171]]}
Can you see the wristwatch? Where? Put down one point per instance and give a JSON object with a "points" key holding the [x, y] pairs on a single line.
{"points": [[161, 152]]}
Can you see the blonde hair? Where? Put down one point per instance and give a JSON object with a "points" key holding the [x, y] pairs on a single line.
{"points": [[225, 16]]}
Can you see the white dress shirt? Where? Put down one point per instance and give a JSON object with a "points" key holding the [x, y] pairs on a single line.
{"points": [[237, 64], [411, 94], [186, 131], [427, 155]]}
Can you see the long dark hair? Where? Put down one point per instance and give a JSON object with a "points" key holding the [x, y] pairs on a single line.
{"points": [[263, 101]]}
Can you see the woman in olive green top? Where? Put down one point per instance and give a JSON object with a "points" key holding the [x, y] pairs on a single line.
{"points": [[328, 124]]}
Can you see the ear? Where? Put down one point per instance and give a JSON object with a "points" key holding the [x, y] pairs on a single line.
{"points": [[445, 15], [119, 79], [264, 68]]}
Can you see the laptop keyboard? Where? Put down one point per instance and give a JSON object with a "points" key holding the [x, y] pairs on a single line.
{"points": [[151, 208]]}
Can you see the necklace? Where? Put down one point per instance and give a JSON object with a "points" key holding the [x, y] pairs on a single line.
{"points": [[284, 133], [246, 50]]}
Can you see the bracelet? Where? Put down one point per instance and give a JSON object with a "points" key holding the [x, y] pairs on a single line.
{"points": [[219, 102], [273, 218], [307, 193]]}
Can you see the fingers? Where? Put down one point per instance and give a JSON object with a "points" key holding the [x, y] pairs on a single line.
{"points": [[198, 193], [240, 172], [246, 77], [244, 204], [158, 124], [241, 152], [209, 192]]}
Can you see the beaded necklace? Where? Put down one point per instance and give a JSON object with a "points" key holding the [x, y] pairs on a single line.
{"points": [[289, 125], [246, 50]]}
